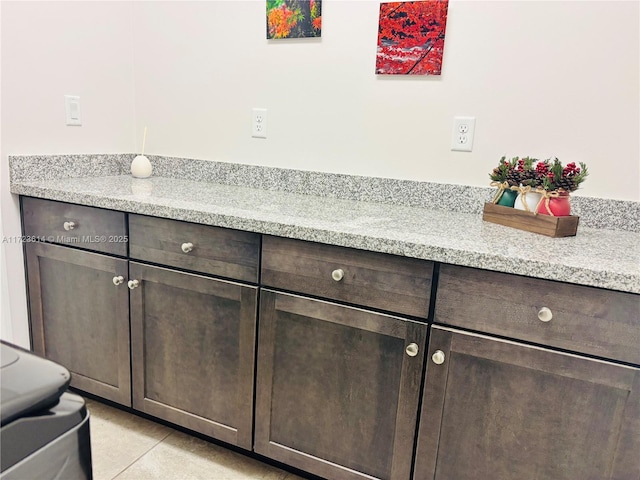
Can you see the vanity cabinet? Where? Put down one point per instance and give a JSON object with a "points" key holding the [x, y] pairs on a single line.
{"points": [[193, 336], [524, 377], [79, 317], [497, 408], [176, 343], [338, 386]]}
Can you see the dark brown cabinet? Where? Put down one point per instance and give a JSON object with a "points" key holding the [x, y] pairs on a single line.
{"points": [[192, 346], [193, 337], [339, 380], [200, 248], [400, 285], [193, 343], [89, 228], [80, 318], [337, 388], [500, 409], [590, 320]]}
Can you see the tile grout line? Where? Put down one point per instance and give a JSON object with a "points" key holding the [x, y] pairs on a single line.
{"points": [[121, 470], [143, 454]]}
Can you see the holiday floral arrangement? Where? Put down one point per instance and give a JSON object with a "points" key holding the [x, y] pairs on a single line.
{"points": [[537, 186]]}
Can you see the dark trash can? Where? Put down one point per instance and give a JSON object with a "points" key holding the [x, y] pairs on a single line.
{"points": [[45, 429]]}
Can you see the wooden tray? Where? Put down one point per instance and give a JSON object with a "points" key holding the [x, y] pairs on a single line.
{"points": [[543, 224]]}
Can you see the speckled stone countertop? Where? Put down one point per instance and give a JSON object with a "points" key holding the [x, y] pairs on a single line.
{"points": [[607, 258]]}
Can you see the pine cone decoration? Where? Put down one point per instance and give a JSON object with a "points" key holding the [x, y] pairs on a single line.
{"points": [[513, 178], [566, 183], [527, 176]]}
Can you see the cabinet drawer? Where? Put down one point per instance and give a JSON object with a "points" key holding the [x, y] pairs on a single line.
{"points": [[85, 227], [375, 280], [574, 317], [199, 248]]}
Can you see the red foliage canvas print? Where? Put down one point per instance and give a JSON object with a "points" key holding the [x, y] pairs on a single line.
{"points": [[411, 37]]}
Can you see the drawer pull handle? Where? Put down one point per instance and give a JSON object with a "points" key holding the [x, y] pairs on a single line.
{"points": [[133, 284], [412, 349], [545, 314], [438, 357], [337, 274], [69, 225], [187, 247], [118, 280]]}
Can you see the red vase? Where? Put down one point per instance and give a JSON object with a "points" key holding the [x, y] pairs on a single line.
{"points": [[559, 206]]}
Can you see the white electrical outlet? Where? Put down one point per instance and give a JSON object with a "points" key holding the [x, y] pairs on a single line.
{"points": [[259, 123], [462, 136]]}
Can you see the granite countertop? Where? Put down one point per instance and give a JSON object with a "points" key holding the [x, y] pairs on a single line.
{"points": [[596, 257]]}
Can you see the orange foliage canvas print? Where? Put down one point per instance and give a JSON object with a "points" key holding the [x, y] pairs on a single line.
{"points": [[411, 37], [294, 18]]}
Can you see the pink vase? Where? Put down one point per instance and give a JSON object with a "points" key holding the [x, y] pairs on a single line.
{"points": [[559, 206]]}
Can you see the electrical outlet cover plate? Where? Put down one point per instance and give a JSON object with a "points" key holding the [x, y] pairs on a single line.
{"points": [[259, 123], [462, 136], [72, 110]]}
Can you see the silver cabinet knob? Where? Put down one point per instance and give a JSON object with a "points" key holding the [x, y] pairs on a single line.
{"points": [[187, 247], [69, 225], [412, 349], [118, 280], [438, 357], [133, 284], [544, 314], [337, 274]]}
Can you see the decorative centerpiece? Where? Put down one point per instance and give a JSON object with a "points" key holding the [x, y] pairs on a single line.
{"points": [[533, 195]]}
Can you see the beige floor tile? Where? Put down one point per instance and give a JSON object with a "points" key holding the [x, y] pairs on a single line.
{"points": [[119, 439], [183, 457]]}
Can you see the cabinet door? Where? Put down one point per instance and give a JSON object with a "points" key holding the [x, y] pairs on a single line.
{"points": [[499, 409], [337, 395], [79, 318], [193, 344]]}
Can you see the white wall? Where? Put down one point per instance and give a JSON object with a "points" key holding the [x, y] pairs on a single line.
{"points": [[6, 327], [543, 78], [51, 49]]}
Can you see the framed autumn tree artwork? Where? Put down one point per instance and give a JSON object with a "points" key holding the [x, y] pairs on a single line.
{"points": [[294, 18], [411, 37]]}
